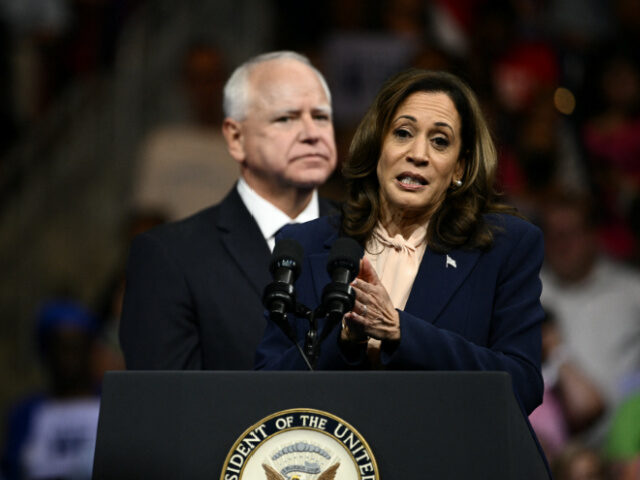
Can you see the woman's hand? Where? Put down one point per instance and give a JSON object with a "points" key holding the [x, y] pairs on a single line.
{"points": [[373, 314]]}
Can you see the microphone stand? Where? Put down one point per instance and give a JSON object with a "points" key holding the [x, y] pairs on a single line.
{"points": [[312, 339], [309, 354], [337, 297]]}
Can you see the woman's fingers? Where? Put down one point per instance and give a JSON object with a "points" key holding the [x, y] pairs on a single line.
{"points": [[373, 311], [374, 322], [367, 272]]}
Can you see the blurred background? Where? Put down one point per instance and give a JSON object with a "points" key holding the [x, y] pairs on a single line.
{"points": [[110, 123]]}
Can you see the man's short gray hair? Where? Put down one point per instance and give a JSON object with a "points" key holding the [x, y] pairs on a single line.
{"points": [[236, 90]]}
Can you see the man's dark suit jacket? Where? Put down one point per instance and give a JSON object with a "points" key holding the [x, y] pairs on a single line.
{"points": [[467, 310], [194, 288]]}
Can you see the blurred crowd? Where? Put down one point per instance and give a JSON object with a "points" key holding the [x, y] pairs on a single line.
{"points": [[560, 84], [45, 46]]}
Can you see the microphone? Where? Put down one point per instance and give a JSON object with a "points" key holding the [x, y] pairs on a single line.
{"points": [[279, 296], [338, 297]]}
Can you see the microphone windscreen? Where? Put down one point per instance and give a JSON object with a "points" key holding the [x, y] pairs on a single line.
{"points": [[287, 253], [345, 253]]}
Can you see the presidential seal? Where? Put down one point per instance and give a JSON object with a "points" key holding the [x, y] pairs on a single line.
{"points": [[300, 444]]}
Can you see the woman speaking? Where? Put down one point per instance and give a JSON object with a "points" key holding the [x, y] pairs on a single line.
{"points": [[449, 277]]}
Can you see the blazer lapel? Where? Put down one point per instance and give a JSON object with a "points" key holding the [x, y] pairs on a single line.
{"points": [[438, 278], [318, 265], [243, 240]]}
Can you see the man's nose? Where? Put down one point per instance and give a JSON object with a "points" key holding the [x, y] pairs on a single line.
{"points": [[310, 132]]}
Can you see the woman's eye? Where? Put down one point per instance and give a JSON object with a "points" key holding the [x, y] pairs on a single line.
{"points": [[401, 133], [440, 142]]}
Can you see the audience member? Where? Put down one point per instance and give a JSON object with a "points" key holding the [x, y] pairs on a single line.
{"points": [[52, 434], [580, 462], [571, 402], [597, 301], [185, 167], [622, 447]]}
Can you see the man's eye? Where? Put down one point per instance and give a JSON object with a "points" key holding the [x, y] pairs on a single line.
{"points": [[283, 119], [322, 117]]}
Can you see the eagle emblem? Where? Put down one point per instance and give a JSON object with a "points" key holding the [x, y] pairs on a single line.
{"points": [[301, 460], [328, 474]]}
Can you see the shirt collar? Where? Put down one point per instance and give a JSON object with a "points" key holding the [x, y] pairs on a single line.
{"points": [[270, 218], [398, 242]]}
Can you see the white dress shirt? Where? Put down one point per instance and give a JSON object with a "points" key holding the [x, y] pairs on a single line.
{"points": [[270, 218]]}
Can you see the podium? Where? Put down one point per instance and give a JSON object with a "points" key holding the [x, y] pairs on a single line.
{"points": [[427, 425]]}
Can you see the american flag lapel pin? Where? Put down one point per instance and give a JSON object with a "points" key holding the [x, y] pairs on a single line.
{"points": [[450, 262]]}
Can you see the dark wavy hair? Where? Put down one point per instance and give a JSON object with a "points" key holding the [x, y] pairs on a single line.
{"points": [[459, 221]]}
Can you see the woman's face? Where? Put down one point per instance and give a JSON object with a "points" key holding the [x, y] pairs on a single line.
{"points": [[420, 155]]}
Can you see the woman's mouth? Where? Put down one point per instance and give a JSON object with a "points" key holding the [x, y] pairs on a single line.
{"points": [[411, 181]]}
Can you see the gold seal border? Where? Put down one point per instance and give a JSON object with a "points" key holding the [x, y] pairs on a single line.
{"points": [[299, 410]]}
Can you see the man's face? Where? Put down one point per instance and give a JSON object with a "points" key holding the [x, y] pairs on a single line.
{"points": [[286, 139], [570, 246]]}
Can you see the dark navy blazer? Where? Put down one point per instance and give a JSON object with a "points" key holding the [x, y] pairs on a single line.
{"points": [[467, 310]]}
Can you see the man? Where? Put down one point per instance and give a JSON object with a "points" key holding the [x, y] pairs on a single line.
{"points": [[596, 301], [194, 288], [183, 165], [52, 433]]}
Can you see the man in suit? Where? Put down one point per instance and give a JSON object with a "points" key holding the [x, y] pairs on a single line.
{"points": [[194, 287]]}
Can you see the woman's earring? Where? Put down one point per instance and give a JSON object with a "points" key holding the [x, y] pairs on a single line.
{"points": [[458, 183]]}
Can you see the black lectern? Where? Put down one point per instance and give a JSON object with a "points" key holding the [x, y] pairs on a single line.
{"points": [[427, 425]]}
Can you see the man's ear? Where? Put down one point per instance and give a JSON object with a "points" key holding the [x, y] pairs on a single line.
{"points": [[232, 131]]}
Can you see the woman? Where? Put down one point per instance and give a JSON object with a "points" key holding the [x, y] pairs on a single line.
{"points": [[449, 278]]}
